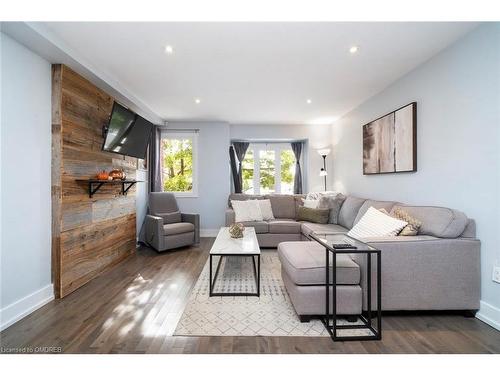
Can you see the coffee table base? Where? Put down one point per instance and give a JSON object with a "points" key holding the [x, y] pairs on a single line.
{"points": [[256, 272]]}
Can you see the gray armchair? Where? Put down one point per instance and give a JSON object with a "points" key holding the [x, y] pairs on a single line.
{"points": [[166, 227]]}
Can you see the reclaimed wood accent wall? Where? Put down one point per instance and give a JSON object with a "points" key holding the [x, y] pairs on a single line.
{"points": [[89, 235]]}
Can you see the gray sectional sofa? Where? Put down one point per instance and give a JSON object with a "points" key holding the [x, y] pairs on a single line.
{"points": [[439, 269]]}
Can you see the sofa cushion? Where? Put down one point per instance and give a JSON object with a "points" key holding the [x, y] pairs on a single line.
{"points": [[333, 203], [170, 217], [349, 211], [260, 226], [242, 197], [284, 226], [437, 221], [283, 206], [177, 228], [307, 228], [470, 229], [304, 263], [386, 205]]}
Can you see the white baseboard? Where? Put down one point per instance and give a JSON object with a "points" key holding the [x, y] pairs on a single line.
{"points": [[209, 232], [25, 306], [489, 314]]}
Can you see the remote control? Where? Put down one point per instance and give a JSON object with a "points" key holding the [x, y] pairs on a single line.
{"points": [[343, 246]]}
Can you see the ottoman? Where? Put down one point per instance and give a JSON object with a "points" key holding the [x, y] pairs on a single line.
{"points": [[303, 273]]}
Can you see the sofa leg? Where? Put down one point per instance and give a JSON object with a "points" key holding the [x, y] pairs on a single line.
{"points": [[469, 313], [352, 318], [305, 318]]}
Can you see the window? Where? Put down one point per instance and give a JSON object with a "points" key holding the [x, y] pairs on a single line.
{"points": [[268, 168], [179, 162]]}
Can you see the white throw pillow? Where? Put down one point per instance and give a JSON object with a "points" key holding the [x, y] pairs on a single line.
{"points": [[376, 224], [266, 209], [246, 210], [311, 203]]}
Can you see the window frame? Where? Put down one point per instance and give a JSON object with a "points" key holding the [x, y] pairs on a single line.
{"points": [[193, 136], [277, 147]]}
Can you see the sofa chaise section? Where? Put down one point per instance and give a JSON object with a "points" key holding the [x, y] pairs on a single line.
{"points": [[303, 273]]}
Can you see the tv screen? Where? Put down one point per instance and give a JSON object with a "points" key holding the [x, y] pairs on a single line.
{"points": [[127, 133]]}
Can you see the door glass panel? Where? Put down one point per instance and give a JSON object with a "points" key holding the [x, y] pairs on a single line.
{"points": [[267, 171]]}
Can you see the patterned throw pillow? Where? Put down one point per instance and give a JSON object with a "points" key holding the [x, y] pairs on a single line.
{"points": [[413, 224], [310, 203], [333, 203]]}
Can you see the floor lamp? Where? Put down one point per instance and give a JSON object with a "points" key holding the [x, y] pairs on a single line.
{"points": [[324, 152]]}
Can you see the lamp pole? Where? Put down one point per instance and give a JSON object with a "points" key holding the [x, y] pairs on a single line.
{"points": [[323, 172], [324, 168]]}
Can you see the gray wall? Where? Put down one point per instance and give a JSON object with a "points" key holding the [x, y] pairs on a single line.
{"points": [[458, 136], [213, 172], [25, 178]]}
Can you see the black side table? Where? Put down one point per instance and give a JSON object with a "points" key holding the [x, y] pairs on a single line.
{"points": [[330, 319]]}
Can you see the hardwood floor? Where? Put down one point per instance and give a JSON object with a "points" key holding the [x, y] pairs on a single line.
{"points": [[135, 307]]}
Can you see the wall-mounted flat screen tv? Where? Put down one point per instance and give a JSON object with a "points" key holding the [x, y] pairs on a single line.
{"points": [[127, 133]]}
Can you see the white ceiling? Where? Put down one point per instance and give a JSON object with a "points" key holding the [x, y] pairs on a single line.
{"points": [[256, 72]]}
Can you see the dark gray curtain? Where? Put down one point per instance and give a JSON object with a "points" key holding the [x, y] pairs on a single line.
{"points": [[240, 148], [234, 170], [297, 182], [155, 162]]}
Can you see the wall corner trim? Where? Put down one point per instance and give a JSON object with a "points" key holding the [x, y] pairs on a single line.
{"points": [[22, 307], [489, 314]]}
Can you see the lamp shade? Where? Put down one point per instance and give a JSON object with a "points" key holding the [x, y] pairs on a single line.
{"points": [[324, 151]]}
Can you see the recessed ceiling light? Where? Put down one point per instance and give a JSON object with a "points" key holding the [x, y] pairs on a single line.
{"points": [[197, 100], [353, 49], [309, 101], [169, 50]]}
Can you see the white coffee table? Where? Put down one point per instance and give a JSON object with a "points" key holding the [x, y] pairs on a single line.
{"points": [[225, 246]]}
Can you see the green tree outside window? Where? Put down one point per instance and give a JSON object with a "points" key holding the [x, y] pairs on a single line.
{"points": [[177, 164]]}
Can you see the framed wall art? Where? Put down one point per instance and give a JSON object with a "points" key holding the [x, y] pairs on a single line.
{"points": [[390, 142]]}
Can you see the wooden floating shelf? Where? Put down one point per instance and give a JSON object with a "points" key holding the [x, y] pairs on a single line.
{"points": [[94, 185]]}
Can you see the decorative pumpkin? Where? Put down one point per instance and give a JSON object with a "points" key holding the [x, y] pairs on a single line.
{"points": [[103, 175], [236, 230], [117, 174]]}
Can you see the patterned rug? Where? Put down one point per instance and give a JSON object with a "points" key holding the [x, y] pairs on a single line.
{"points": [[271, 314]]}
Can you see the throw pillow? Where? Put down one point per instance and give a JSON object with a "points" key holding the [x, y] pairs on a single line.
{"points": [[310, 203], [246, 211], [314, 215], [334, 203], [413, 224], [316, 195], [266, 209], [376, 224]]}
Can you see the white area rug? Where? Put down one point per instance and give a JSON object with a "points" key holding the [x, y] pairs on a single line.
{"points": [[271, 314]]}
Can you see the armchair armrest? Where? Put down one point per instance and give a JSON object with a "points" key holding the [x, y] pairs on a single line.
{"points": [[195, 220], [230, 216], [154, 231]]}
